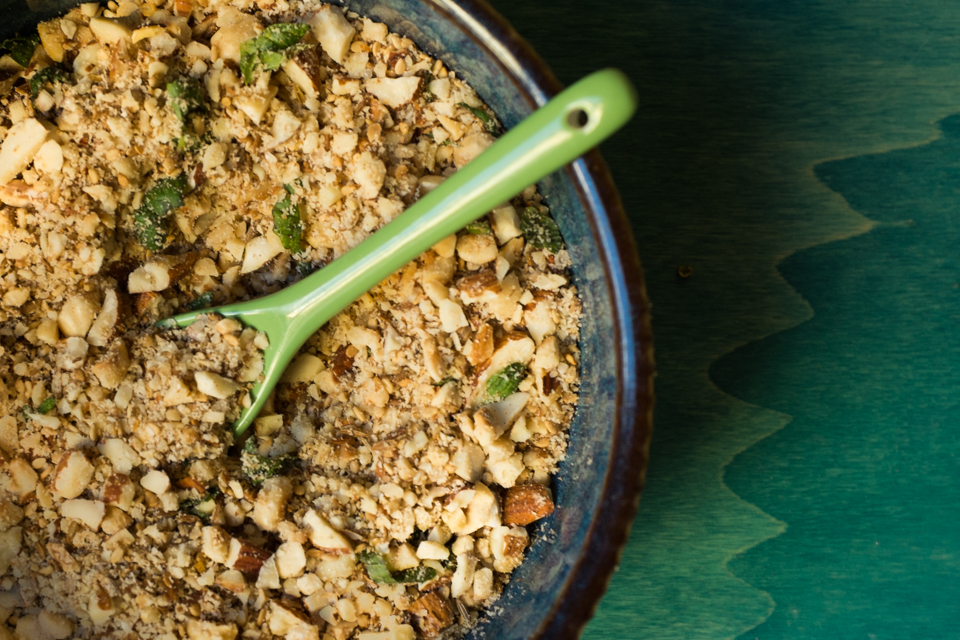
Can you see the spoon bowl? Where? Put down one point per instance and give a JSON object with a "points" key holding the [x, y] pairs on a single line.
{"points": [[569, 125]]}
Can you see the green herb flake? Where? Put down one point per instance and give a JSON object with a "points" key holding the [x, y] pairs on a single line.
{"points": [[186, 96], [202, 301], [304, 268], [21, 49], [286, 222], [152, 219], [428, 95], [415, 575], [47, 405], [201, 507], [479, 227], [485, 118], [540, 231], [377, 570], [47, 75], [258, 469], [376, 567], [271, 48], [506, 381], [444, 381]]}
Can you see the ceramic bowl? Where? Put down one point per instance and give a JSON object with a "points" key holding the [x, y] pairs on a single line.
{"points": [[554, 593]]}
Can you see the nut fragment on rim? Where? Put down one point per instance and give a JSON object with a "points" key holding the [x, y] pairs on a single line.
{"points": [[526, 503]]}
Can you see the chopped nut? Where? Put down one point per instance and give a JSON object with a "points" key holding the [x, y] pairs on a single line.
{"points": [[323, 536], [526, 503], [20, 144], [72, 476], [433, 614], [271, 503], [245, 557], [333, 32], [89, 512]]}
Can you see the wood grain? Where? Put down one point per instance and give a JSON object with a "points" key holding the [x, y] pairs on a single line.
{"points": [[744, 105]]}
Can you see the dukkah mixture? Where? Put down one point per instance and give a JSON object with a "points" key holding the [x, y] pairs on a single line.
{"points": [[156, 158]]}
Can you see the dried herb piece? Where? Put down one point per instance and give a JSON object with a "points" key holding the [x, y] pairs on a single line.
{"points": [[428, 95], [202, 301], [286, 222], [47, 75], [506, 381], [479, 227], [21, 49], [485, 118], [47, 405], [203, 506], [258, 469], [377, 570], [416, 574], [271, 48], [540, 231], [151, 222], [186, 96]]}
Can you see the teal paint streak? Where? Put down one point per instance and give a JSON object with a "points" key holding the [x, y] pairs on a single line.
{"points": [[866, 475], [739, 101]]}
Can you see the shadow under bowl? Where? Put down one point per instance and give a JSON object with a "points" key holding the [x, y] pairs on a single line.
{"points": [[574, 552]]}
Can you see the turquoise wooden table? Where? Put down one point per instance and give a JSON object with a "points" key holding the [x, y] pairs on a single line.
{"points": [[800, 162]]}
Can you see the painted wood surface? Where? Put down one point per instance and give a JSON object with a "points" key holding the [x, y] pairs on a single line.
{"points": [[803, 160]]}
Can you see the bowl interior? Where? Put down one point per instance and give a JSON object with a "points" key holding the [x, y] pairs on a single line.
{"points": [[555, 589]]}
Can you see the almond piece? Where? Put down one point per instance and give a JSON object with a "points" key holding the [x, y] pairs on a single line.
{"points": [[270, 507], [77, 315], [20, 145], [10, 541], [113, 365], [216, 544], [433, 614], [232, 581], [89, 512], [122, 456], [72, 476], [114, 521], [103, 327], [245, 557], [478, 284], [393, 92], [203, 630], [62, 557], [156, 481], [22, 478], [110, 31], [291, 560], [10, 515], [323, 535], [215, 385], [482, 346], [304, 69], [333, 32], [100, 607], [119, 490], [526, 503]]}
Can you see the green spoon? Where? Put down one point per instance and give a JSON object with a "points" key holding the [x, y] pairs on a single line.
{"points": [[566, 127]]}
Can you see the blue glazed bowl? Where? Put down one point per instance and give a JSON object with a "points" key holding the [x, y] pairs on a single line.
{"points": [[554, 593]]}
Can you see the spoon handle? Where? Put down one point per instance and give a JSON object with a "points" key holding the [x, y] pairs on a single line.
{"points": [[568, 126]]}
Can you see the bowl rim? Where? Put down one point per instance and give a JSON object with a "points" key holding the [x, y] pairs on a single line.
{"points": [[609, 531]]}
